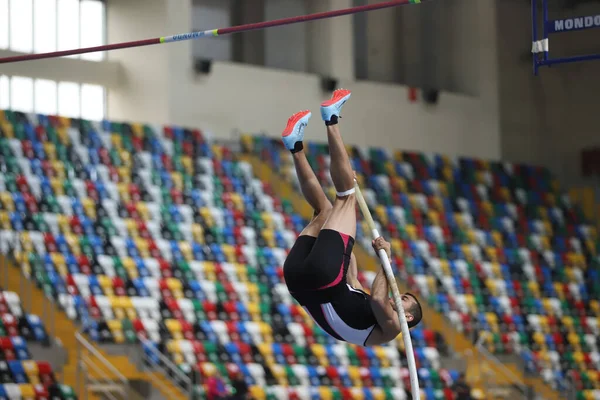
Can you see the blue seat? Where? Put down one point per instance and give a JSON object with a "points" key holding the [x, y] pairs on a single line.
{"points": [[95, 287], [234, 352], [313, 375], [37, 327], [20, 347], [140, 287], [197, 289], [17, 371]]}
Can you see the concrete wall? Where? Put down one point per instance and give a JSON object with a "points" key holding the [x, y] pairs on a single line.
{"points": [[547, 120], [162, 87]]}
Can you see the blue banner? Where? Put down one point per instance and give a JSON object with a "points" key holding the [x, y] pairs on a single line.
{"points": [[573, 24]]}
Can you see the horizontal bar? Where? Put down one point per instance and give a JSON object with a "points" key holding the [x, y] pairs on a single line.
{"points": [[214, 32], [573, 24], [566, 60]]}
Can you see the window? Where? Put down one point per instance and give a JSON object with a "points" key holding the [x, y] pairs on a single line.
{"points": [[42, 26], [4, 28], [21, 25], [92, 102], [21, 90], [92, 28], [68, 25], [4, 92], [44, 15], [68, 99], [43, 96]]}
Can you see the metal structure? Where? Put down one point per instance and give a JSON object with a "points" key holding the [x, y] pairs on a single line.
{"points": [[540, 48]]}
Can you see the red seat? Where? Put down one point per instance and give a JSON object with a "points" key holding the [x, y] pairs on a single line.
{"points": [[71, 286], [139, 328], [41, 393], [187, 329], [50, 243], [119, 286], [10, 324], [245, 352], [173, 306], [230, 308], [210, 309], [8, 349], [45, 371]]}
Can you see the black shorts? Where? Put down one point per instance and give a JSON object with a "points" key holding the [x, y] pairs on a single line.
{"points": [[316, 268]]}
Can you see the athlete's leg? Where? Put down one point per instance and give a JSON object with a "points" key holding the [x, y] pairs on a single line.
{"points": [[343, 214], [311, 189]]}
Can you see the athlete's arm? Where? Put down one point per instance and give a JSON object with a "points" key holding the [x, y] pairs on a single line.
{"points": [[352, 275], [388, 324]]}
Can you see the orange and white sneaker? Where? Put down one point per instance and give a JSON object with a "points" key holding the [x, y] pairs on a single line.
{"points": [[294, 131], [333, 106]]}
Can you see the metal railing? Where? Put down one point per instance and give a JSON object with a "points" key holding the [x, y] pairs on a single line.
{"points": [[108, 380], [158, 361]]}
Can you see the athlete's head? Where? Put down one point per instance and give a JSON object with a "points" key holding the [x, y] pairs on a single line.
{"points": [[412, 309]]}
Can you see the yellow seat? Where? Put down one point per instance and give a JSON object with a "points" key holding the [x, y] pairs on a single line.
{"points": [[207, 216], [142, 209], [568, 322], [357, 393], [125, 178], [50, 151], [59, 263], [397, 248], [73, 243], [382, 356], [381, 214], [595, 306], [57, 186], [254, 311], [472, 306], [174, 327], [188, 164], [131, 227], [7, 202], [59, 169], [411, 231], [378, 393], [197, 233], [32, 371], [241, 272], [130, 267], [210, 271], [106, 285], [534, 288], [116, 141], [123, 190], [62, 132], [266, 332], [27, 391], [63, 223], [354, 375], [258, 393], [325, 393], [400, 184], [126, 158], [177, 180], [445, 266], [142, 245], [228, 252], [186, 251], [116, 329], [269, 236], [8, 130], [89, 207], [176, 287], [279, 374]]}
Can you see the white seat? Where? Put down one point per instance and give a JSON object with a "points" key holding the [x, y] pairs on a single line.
{"points": [[242, 291], [280, 255], [103, 172], [15, 147], [279, 392], [303, 392], [210, 291], [250, 254], [392, 355], [154, 229], [165, 249], [284, 294], [278, 221], [65, 204], [151, 327], [151, 284], [141, 309], [341, 353], [13, 391], [254, 331], [187, 350], [592, 322], [289, 237], [432, 354], [153, 267], [461, 303], [154, 211], [448, 284], [105, 307], [120, 227], [112, 190], [34, 184], [14, 303], [107, 264], [83, 284], [301, 373], [249, 235], [534, 321], [187, 308], [297, 333], [218, 216], [258, 373], [421, 282], [110, 206], [119, 245], [37, 238], [186, 231], [197, 267]]}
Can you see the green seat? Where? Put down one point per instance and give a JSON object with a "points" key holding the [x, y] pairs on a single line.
{"points": [[67, 392], [40, 223], [265, 312], [300, 353], [199, 309], [211, 351], [221, 293], [129, 331]]}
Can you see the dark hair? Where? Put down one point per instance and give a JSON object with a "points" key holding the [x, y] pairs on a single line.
{"points": [[414, 310]]}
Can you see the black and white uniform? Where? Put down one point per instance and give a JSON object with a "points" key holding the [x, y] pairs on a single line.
{"points": [[315, 273]]}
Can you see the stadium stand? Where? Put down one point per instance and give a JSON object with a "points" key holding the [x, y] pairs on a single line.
{"points": [[20, 376], [155, 233], [495, 246]]}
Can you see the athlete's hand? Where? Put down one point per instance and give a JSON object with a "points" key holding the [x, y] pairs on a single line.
{"points": [[380, 243]]}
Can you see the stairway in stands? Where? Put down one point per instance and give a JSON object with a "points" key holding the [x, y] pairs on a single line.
{"points": [[65, 331], [461, 344]]}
